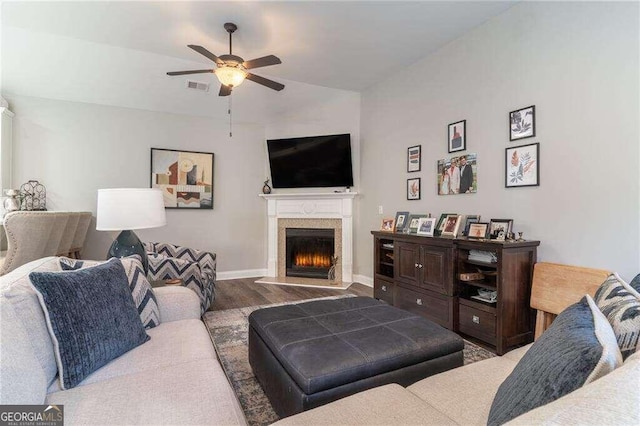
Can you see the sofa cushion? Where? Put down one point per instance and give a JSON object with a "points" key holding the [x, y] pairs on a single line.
{"points": [[91, 318], [16, 291], [171, 343], [191, 393], [141, 290], [635, 283], [385, 405], [620, 303], [476, 384], [577, 349], [611, 400]]}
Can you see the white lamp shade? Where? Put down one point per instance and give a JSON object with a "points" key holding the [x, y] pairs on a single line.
{"points": [[130, 208]]}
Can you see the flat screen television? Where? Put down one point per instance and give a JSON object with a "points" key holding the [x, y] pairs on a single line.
{"points": [[311, 162]]}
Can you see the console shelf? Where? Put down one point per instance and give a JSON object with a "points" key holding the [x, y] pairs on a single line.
{"points": [[423, 277]]}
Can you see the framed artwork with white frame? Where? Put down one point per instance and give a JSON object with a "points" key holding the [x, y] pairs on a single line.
{"points": [[414, 221], [426, 226]]}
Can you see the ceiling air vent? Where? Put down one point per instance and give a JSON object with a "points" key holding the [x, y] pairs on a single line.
{"points": [[197, 85]]}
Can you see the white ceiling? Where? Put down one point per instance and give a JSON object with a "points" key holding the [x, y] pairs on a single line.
{"points": [[118, 53], [341, 45]]}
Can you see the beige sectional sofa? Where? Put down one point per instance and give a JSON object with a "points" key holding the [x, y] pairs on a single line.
{"points": [[174, 378]]}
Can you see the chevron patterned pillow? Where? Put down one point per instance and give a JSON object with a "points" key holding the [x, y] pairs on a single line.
{"points": [[620, 303], [140, 288]]}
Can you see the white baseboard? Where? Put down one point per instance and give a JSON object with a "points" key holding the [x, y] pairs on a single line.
{"points": [[363, 279], [246, 273]]}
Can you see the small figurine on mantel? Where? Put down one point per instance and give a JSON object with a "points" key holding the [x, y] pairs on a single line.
{"points": [[332, 271], [266, 189]]}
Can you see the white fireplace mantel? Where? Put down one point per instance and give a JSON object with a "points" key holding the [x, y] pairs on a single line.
{"points": [[329, 205]]}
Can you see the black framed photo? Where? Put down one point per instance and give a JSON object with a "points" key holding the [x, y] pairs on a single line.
{"points": [[478, 231], [401, 222], [413, 189], [522, 123], [500, 228], [522, 166], [414, 158], [457, 136], [184, 177]]}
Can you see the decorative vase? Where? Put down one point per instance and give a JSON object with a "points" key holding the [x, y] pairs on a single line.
{"points": [[266, 189], [11, 203]]}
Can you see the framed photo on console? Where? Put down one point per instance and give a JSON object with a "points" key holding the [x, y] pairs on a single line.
{"points": [[387, 225], [402, 221], [451, 226], [478, 231], [426, 226], [414, 222], [500, 228]]}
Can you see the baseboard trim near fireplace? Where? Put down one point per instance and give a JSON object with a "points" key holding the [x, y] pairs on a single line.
{"points": [[305, 282], [245, 273], [363, 279]]}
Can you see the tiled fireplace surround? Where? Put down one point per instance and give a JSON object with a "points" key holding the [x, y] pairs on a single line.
{"points": [[310, 210]]}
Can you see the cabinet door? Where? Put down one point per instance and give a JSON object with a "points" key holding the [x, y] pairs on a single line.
{"points": [[435, 261], [407, 263]]}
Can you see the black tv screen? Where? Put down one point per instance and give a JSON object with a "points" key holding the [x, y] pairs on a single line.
{"points": [[311, 162]]}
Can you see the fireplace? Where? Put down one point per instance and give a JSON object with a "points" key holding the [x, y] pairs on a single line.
{"points": [[309, 252]]}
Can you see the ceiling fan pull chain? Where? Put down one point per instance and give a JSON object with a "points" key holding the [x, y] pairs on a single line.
{"points": [[230, 123]]}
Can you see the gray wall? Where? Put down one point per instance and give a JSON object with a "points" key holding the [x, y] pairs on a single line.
{"points": [[578, 63], [75, 148]]}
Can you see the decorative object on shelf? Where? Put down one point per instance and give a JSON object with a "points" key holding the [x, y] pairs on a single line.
{"points": [[520, 237], [471, 276], [414, 158], [413, 189], [128, 209], [12, 201], [478, 231], [522, 123], [442, 221], [387, 225], [184, 177], [457, 175], [457, 136], [451, 226], [401, 222], [522, 166], [34, 196], [426, 226], [468, 220], [497, 226], [266, 189], [414, 222], [331, 275]]}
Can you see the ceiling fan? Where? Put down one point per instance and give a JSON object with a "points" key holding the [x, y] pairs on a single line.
{"points": [[231, 69]]}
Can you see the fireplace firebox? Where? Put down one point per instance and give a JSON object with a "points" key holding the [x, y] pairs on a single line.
{"points": [[309, 252]]}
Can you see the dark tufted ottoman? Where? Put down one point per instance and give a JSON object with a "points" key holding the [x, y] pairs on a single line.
{"points": [[309, 354]]}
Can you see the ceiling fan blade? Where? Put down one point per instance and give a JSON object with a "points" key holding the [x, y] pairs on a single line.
{"points": [[265, 61], [188, 72], [265, 82], [224, 90], [204, 52]]}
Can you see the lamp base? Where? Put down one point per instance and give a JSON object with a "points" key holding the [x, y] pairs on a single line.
{"points": [[128, 244]]}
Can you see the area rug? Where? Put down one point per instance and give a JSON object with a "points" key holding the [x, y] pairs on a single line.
{"points": [[229, 330]]}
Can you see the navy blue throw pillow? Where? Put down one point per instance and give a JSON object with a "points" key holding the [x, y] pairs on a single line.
{"points": [[578, 348], [635, 283], [91, 317]]}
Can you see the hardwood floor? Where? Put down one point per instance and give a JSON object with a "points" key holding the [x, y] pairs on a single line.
{"points": [[245, 292]]}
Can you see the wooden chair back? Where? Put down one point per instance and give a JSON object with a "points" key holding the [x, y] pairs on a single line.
{"points": [[557, 286]]}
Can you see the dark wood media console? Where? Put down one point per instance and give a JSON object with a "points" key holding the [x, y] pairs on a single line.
{"points": [[422, 275]]}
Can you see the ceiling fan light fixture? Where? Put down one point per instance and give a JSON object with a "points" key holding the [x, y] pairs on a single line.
{"points": [[231, 76]]}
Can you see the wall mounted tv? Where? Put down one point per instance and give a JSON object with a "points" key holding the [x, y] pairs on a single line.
{"points": [[311, 162]]}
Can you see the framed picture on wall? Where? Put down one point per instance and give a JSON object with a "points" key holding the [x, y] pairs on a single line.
{"points": [[185, 178], [414, 160], [522, 123], [457, 136], [413, 189], [522, 166]]}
